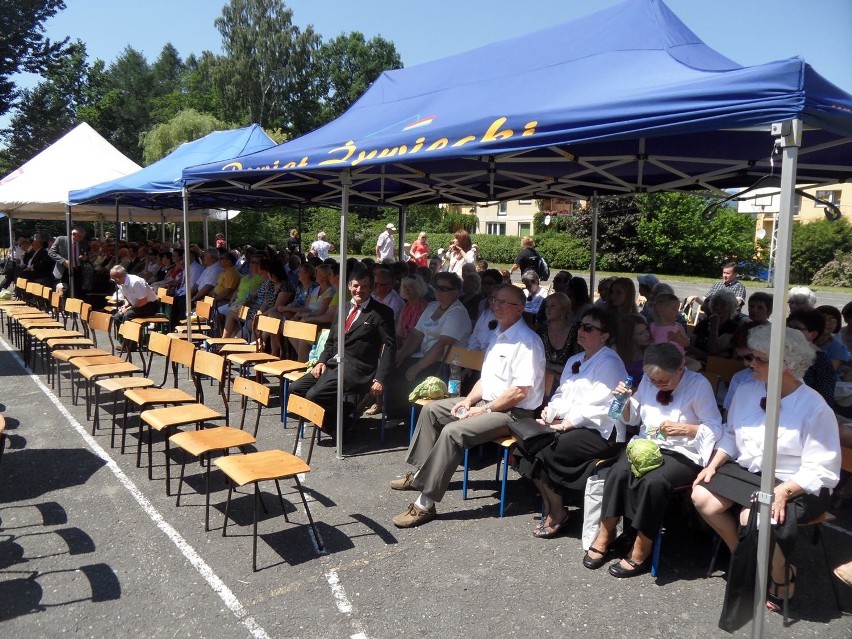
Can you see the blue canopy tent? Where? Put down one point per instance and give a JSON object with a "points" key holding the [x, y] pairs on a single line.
{"points": [[160, 184], [627, 100]]}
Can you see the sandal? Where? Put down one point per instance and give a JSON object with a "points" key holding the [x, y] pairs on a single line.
{"points": [[593, 564], [541, 532], [774, 598]]}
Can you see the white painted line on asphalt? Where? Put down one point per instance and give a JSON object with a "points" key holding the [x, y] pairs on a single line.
{"points": [[177, 539], [343, 603]]}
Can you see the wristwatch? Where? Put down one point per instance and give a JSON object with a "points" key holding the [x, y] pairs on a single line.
{"points": [[788, 491], [488, 408]]}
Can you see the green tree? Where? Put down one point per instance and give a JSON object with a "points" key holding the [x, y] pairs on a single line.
{"points": [[168, 78], [674, 237], [184, 127], [347, 65], [618, 223], [23, 46], [815, 244], [261, 78], [47, 111]]}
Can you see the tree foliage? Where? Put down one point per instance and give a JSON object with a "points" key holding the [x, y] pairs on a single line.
{"points": [[23, 47], [186, 126], [815, 244]]}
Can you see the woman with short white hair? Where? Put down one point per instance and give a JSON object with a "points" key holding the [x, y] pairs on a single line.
{"points": [[807, 466]]}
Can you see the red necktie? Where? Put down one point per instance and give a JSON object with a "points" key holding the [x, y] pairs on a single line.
{"points": [[351, 317]]}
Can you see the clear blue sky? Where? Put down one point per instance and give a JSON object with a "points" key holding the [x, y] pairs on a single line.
{"points": [[746, 31]]}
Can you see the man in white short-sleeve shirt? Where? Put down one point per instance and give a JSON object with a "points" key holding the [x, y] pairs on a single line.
{"points": [[384, 245], [511, 388]]}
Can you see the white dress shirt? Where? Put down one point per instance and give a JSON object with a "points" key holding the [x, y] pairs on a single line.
{"points": [[514, 359]]}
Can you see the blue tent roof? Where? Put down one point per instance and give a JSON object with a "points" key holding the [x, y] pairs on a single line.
{"points": [[160, 186], [625, 100]]}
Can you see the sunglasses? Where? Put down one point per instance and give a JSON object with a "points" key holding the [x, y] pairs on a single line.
{"points": [[754, 358], [588, 328], [445, 289], [496, 301]]}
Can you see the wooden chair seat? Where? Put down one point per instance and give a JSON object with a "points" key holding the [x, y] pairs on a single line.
{"points": [[222, 341], [174, 416], [207, 440], [146, 396], [115, 384], [156, 319], [261, 466], [93, 372], [242, 359], [506, 443], [294, 375], [54, 343], [66, 355], [196, 328], [232, 349], [97, 360], [279, 368], [195, 337]]}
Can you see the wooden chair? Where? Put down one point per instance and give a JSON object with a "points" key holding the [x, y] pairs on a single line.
{"points": [[270, 465], [213, 342], [246, 360], [94, 368], [467, 359], [204, 442], [724, 367], [280, 368], [200, 320], [99, 325], [506, 444], [308, 411]]}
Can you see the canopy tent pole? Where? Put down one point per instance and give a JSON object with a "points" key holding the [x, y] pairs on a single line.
{"points": [[400, 240], [70, 269], [593, 266], [162, 226], [227, 239], [342, 310], [299, 226], [186, 258], [790, 141], [11, 233], [117, 235], [206, 227]]}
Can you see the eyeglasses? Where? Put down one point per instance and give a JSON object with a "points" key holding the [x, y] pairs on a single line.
{"points": [[754, 358], [496, 301], [588, 328], [445, 289], [378, 284]]}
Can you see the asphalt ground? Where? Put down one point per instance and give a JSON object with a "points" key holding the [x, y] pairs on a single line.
{"points": [[89, 545]]}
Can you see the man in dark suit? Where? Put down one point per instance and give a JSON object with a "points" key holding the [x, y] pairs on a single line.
{"points": [[369, 350], [38, 267], [66, 255]]}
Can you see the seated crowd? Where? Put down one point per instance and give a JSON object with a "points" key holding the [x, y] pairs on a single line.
{"points": [[403, 318]]}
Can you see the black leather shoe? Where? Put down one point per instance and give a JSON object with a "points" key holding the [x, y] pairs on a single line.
{"points": [[593, 563], [617, 570]]}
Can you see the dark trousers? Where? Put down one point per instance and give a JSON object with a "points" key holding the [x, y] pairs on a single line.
{"points": [[147, 310], [323, 391]]}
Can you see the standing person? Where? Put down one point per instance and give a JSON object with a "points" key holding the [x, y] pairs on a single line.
{"points": [[220, 242], [385, 249], [511, 387], [729, 283], [528, 258], [369, 345], [420, 250], [461, 252], [66, 255], [321, 247], [294, 242], [140, 300]]}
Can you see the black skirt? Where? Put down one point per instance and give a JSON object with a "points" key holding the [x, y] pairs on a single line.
{"points": [[643, 500], [734, 482], [568, 462]]}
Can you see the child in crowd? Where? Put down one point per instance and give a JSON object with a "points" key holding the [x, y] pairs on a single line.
{"points": [[665, 327], [603, 291]]}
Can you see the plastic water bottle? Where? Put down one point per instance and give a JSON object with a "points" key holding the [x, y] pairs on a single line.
{"points": [[313, 354], [618, 402], [454, 382]]}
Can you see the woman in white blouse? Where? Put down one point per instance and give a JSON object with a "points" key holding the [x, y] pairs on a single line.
{"points": [[675, 408], [578, 412], [807, 465]]}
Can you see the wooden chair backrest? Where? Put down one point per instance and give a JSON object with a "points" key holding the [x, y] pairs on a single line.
{"points": [[167, 300], [210, 365], [301, 330], [202, 311], [21, 282], [85, 311], [467, 358], [159, 343], [209, 299], [242, 314], [268, 324], [305, 409], [724, 367], [55, 300], [74, 305], [162, 292], [46, 293], [131, 331], [251, 389], [183, 352], [100, 321], [31, 288]]}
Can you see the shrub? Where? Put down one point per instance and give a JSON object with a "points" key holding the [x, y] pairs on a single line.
{"points": [[838, 272], [815, 244]]}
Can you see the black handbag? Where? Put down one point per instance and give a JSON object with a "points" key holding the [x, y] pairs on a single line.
{"points": [[531, 435], [738, 608]]}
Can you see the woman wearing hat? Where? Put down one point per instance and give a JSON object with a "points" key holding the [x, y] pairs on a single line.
{"points": [[676, 409]]}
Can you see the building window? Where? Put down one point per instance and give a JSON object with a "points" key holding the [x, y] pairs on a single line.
{"points": [[523, 229], [502, 209], [495, 228], [829, 196]]}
